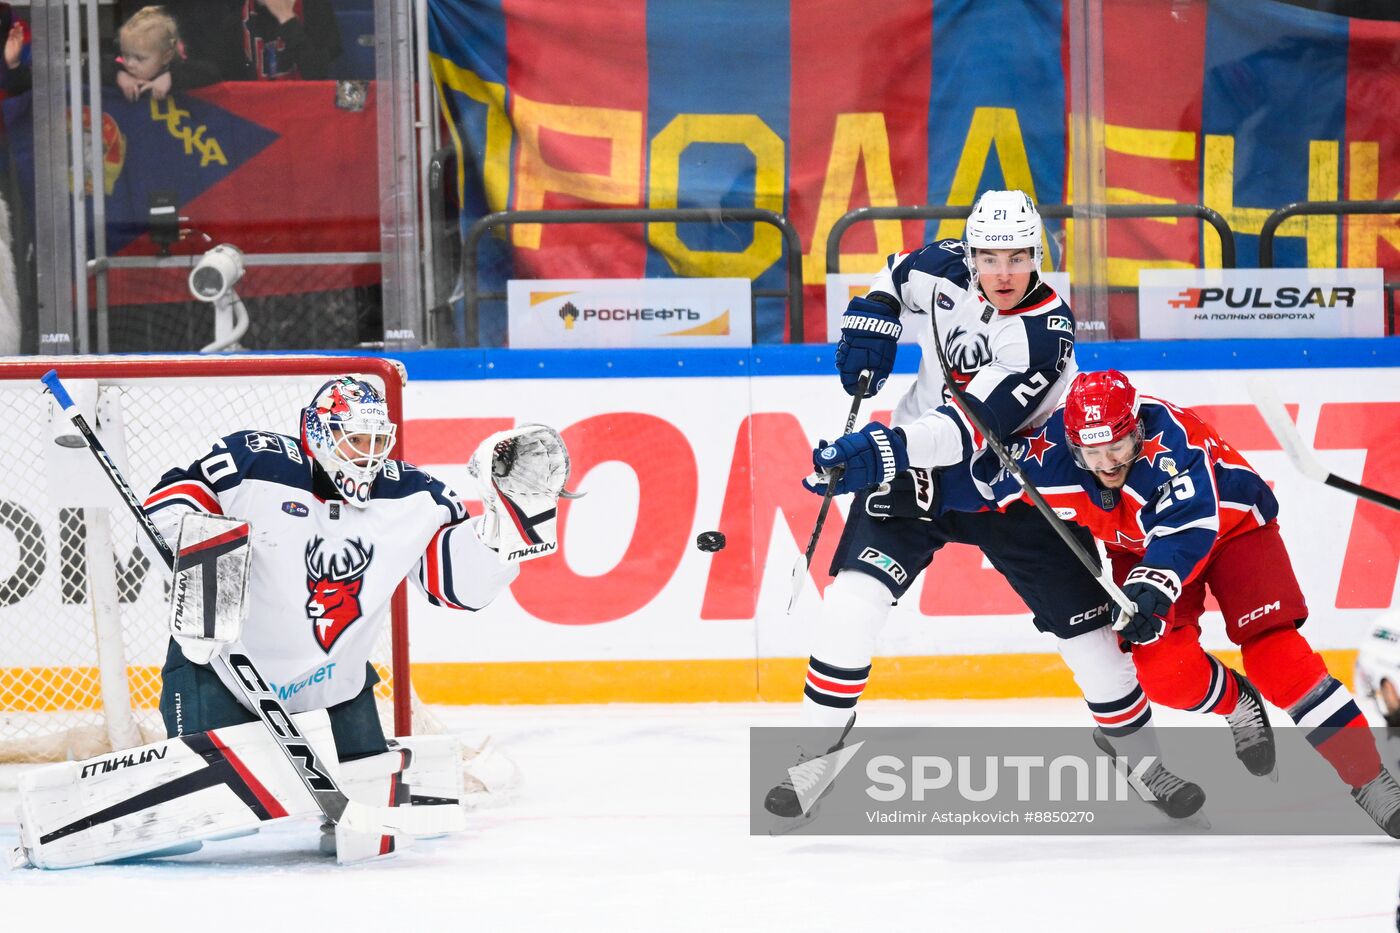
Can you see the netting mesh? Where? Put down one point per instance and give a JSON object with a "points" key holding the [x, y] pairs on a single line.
{"points": [[70, 571]]}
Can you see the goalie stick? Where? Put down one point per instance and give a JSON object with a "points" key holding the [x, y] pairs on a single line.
{"points": [[300, 755], [1102, 573], [799, 569], [1303, 456]]}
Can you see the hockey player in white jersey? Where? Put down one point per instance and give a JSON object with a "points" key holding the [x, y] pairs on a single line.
{"points": [[336, 526], [1009, 340]]}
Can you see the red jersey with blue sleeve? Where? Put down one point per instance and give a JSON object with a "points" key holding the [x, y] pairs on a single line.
{"points": [[1187, 492]]}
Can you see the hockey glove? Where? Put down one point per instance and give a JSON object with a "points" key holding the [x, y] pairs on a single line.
{"points": [[1153, 590], [873, 455], [870, 332], [209, 590], [521, 474]]}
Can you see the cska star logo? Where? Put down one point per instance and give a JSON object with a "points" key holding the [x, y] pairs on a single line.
{"points": [[334, 581]]}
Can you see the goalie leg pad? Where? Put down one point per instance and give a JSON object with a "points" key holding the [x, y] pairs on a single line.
{"points": [[162, 796], [424, 770]]}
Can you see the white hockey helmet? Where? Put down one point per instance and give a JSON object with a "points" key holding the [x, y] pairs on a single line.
{"points": [[347, 429], [1378, 668], [1004, 220]]}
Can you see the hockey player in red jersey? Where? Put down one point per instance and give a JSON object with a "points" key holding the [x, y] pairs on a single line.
{"points": [[1180, 510]]}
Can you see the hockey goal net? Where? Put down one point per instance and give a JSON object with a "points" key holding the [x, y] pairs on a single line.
{"points": [[82, 611]]}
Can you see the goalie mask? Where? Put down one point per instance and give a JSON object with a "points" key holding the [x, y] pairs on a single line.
{"points": [[346, 428], [1004, 220], [1378, 669]]}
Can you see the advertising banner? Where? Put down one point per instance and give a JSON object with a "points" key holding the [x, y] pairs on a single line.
{"points": [[1257, 303], [665, 459], [568, 313]]}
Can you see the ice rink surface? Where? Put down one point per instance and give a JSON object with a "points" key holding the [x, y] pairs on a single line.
{"points": [[635, 818]]}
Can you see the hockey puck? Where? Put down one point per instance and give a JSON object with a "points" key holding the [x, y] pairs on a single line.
{"points": [[710, 541]]}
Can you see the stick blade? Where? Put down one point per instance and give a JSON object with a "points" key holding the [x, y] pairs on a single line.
{"points": [[1276, 417], [799, 576]]}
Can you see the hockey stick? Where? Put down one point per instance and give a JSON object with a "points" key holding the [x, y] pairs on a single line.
{"points": [[1303, 456], [1102, 573], [256, 694], [799, 569]]}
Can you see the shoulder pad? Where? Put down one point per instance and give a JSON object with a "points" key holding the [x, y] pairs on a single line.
{"points": [[941, 258], [400, 479]]}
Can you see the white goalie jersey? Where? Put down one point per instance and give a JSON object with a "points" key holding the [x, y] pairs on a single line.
{"points": [[323, 573]]}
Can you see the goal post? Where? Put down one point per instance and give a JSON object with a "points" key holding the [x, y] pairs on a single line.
{"points": [[82, 610]]}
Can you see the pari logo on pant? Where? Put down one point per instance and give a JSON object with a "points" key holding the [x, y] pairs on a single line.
{"points": [[886, 563]]}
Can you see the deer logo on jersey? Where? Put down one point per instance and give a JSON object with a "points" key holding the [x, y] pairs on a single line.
{"points": [[334, 580], [967, 353]]}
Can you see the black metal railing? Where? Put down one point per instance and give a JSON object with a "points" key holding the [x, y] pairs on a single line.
{"points": [[793, 293], [1272, 222], [1053, 211]]}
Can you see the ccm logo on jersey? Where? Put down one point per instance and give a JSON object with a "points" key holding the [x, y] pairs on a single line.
{"points": [[1259, 613], [886, 563], [1088, 615]]}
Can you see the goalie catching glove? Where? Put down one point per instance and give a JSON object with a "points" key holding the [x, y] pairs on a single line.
{"points": [[521, 473]]}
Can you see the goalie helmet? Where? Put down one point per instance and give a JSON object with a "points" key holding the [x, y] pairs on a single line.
{"points": [[1004, 220], [1101, 408], [346, 428], [1378, 668]]}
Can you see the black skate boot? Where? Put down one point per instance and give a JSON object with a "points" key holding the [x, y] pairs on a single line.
{"points": [[783, 800], [1380, 798], [1249, 724], [1177, 797]]}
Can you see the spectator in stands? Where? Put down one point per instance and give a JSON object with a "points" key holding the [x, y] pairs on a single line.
{"points": [[290, 39], [153, 58]]}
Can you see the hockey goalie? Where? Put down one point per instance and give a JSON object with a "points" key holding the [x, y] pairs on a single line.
{"points": [[287, 553]]}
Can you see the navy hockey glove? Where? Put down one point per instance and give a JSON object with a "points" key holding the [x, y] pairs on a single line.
{"points": [[873, 455], [870, 332], [1153, 590]]}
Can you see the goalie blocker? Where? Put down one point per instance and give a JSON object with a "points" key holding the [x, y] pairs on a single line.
{"points": [[170, 797]]}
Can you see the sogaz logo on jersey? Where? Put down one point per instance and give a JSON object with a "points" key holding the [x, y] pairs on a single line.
{"points": [[886, 563]]}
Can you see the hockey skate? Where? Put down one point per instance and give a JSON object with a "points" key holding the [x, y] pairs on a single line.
{"points": [[1177, 797], [784, 800], [1254, 737], [1380, 798]]}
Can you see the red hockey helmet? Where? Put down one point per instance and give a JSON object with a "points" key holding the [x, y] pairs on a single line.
{"points": [[1101, 408]]}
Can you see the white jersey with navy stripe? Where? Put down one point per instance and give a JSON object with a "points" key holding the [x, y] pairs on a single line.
{"points": [[323, 572], [1013, 365]]}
